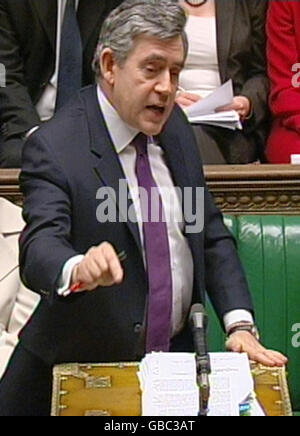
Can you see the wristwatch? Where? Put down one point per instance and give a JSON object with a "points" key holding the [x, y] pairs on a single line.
{"points": [[244, 326]]}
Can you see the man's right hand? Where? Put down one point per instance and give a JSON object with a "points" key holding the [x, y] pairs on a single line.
{"points": [[100, 267]]}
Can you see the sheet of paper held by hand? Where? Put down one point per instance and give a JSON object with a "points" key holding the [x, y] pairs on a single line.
{"points": [[206, 110]]}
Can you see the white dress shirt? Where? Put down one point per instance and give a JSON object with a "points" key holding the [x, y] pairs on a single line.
{"points": [[182, 266]]}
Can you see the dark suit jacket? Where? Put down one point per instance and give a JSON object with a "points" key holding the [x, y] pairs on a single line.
{"points": [[64, 165], [28, 51], [241, 43]]}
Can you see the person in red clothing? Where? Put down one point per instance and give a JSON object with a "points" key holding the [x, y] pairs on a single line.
{"points": [[283, 51]]}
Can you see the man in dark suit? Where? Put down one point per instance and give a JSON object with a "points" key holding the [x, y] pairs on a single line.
{"points": [[79, 217], [29, 52]]}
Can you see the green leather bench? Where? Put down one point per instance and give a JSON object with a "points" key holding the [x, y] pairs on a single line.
{"points": [[269, 248]]}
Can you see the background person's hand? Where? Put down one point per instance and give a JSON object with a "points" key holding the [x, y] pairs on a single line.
{"points": [[240, 104], [186, 99], [101, 266], [245, 342]]}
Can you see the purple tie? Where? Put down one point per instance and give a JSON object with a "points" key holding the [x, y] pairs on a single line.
{"points": [[157, 254]]}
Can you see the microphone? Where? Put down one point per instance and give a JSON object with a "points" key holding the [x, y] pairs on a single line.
{"points": [[198, 322]]}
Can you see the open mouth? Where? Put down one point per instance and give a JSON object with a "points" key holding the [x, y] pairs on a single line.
{"points": [[159, 110]]}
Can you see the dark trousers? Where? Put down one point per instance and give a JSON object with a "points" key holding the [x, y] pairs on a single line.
{"points": [[11, 152], [26, 387], [218, 145]]}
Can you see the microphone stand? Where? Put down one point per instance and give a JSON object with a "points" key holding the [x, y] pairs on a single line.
{"points": [[198, 322], [203, 371]]}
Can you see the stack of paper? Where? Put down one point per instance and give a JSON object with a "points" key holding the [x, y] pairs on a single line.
{"points": [[206, 111], [231, 383], [168, 384]]}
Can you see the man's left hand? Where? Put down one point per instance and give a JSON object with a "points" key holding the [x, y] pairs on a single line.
{"points": [[245, 342]]}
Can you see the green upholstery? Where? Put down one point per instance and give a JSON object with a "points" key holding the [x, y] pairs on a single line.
{"points": [[269, 248]]}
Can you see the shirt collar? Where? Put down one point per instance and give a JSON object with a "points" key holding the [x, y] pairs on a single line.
{"points": [[121, 133]]}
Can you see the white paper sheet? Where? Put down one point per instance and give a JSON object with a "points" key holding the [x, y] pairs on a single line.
{"points": [[169, 384], [205, 110], [231, 378]]}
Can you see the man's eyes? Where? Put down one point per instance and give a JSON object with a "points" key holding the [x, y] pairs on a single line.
{"points": [[156, 70], [151, 69]]}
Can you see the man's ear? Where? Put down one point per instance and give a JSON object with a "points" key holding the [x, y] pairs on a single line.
{"points": [[108, 64]]}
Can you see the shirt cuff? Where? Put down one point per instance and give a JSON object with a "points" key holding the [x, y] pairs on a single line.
{"points": [[65, 278], [30, 132], [236, 316]]}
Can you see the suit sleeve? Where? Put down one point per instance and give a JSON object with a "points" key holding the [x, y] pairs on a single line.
{"points": [[45, 244], [18, 114], [256, 87], [282, 54]]}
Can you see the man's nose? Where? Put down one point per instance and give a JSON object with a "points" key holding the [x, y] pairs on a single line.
{"points": [[164, 84]]}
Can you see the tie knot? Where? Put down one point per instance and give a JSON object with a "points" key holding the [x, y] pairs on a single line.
{"points": [[140, 143]]}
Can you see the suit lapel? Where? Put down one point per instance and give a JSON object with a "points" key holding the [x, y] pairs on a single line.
{"points": [[47, 12], [107, 166], [225, 22], [90, 12], [174, 155]]}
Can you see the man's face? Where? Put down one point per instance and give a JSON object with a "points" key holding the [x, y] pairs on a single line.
{"points": [[143, 89]]}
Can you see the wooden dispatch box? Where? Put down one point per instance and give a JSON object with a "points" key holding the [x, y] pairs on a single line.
{"points": [[113, 389], [272, 390], [96, 390]]}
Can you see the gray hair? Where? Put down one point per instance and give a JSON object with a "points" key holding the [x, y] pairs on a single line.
{"points": [[163, 19]]}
